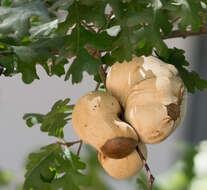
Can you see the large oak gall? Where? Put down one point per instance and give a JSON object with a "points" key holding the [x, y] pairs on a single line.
{"points": [[152, 95], [96, 120]]}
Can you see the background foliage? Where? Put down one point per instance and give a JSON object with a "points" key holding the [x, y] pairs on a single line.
{"points": [[68, 37]]}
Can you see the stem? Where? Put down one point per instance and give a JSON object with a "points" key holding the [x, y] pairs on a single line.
{"points": [[89, 27], [107, 22], [97, 86], [79, 148], [102, 75], [56, 52], [149, 174], [103, 70], [179, 34], [175, 20], [68, 144]]}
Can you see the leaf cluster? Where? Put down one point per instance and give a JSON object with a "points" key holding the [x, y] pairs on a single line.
{"points": [[82, 35], [50, 32], [54, 121], [52, 168]]}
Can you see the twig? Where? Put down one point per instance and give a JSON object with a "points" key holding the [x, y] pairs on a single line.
{"points": [[107, 22], [56, 52], [68, 144], [101, 69], [95, 53], [179, 34], [175, 20], [79, 148], [88, 26], [98, 84], [102, 73], [149, 174]]}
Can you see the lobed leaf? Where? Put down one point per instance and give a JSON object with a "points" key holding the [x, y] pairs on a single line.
{"points": [[54, 121], [137, 27], [53, 168], [191, 79], [39, 175], [39, 52]]}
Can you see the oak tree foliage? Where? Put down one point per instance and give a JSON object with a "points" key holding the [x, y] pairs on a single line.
{"points": [[49, 33]]}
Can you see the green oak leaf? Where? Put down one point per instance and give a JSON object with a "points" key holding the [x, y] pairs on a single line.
{"points": [[87, 10], [94, 170], [39, 52], [44, 29], [33, 119], [162, 21], [54, 121], [186, 12], [77, 44], [141, 28], [123, 49], [149, 37], [191, 79], [93, 11], [69, 166], [53, 168], [80, 38], [8, 62], [83, 62], [189, 12], [107, 59], [15, 20], [97, 78], [39, 174]]}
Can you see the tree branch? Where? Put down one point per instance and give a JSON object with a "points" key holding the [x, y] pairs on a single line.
{"points": [[107, 22], [102, 74], [79, 148], [149, 174], [89, 27], [68, 144], [56, 52], [104, 71], [101, 69], [179, 34]]}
